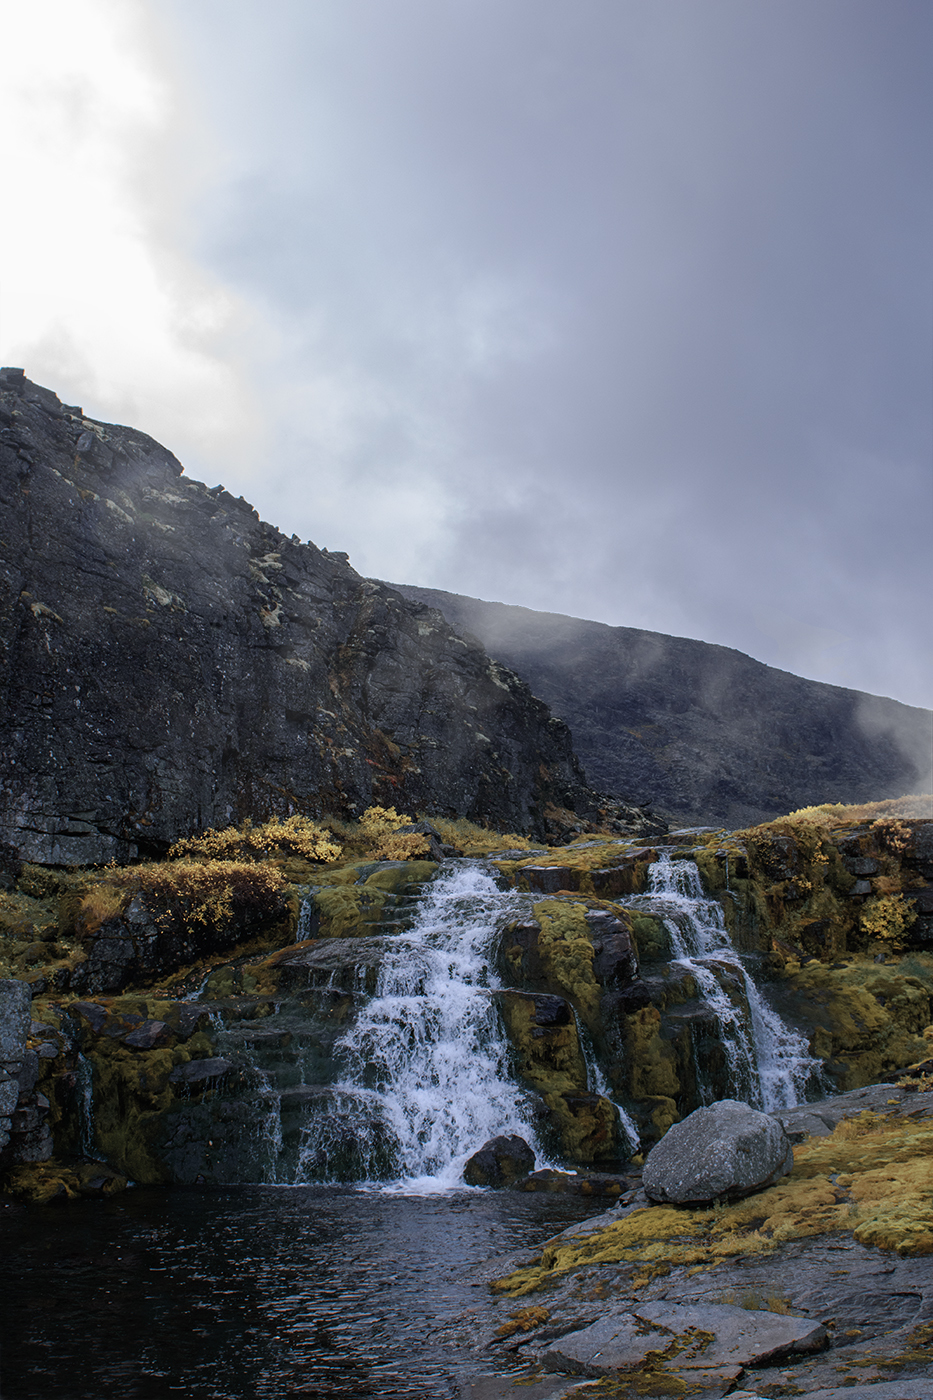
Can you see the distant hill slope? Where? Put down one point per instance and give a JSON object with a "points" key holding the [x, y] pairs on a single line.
{"points": [[169, 662], [703, 732]]}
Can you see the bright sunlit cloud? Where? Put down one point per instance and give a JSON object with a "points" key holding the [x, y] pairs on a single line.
{"points": [[97, 299]]}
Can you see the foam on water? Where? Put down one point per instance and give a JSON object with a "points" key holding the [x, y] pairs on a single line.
{"points": [[426, 1055]]}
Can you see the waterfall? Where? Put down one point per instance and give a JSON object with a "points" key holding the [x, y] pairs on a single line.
{"points": [[84, 1083], [769, 1063], [424, 1068]]}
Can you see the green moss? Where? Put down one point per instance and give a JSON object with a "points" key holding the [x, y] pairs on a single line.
{"points": [[868, 1017], [547, 1058], [566, 952]]}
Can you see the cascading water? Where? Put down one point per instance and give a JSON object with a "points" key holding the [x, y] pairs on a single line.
{"points": [[769, 1064], [425, 1065]]}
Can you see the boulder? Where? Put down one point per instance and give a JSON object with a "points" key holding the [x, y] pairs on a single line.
{"points": [[717, 1153], [499, 1162]]}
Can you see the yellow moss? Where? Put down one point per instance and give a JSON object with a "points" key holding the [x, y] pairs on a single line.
{"points": [[872, 1015], [651, 1057], [566, 951], [550, 1060], [523, 1321], [888, 918], [872, 1177]]}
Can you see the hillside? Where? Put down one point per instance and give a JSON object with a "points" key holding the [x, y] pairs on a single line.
{"points": [[170, 662], [703, 732]]}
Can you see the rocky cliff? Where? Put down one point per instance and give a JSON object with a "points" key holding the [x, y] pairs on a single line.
{"points": [[703, 732], [170, 662]]}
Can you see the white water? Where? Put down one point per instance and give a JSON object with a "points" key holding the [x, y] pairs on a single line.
{"points": [[426, 1058], [769, 1062]]}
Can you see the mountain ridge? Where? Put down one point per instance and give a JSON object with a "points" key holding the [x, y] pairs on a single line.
{"points": [[701, 731], [170, 662]]}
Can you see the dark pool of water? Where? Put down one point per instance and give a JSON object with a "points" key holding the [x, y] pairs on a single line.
{"points": [[256, 1291]]}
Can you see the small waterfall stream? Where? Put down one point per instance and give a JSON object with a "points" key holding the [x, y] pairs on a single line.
{"points": [[769, 1063], [385, 1060], [426, 1054]]}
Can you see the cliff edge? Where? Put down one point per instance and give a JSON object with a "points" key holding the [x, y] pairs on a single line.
{"points": [[170, 662]]}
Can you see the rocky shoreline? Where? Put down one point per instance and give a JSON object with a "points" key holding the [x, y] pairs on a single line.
{"points": [[822, 1314]]}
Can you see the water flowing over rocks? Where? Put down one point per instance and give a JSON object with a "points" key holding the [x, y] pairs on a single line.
{"points": [[718, 1153], [170, 662]]}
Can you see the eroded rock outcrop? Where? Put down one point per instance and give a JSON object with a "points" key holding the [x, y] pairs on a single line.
{"points": [[170, 662]]}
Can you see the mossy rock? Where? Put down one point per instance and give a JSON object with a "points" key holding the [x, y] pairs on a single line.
{"points": [[548, 1057], [349, 908], [872, 1179], [865, 1018], [41, 1183], [652, 939]]}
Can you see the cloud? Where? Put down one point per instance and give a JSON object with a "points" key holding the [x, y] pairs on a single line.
{"points": [[98, 297], [615, 310]]}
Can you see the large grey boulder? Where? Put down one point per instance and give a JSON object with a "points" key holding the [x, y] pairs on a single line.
{"points": [[718, 1153]]}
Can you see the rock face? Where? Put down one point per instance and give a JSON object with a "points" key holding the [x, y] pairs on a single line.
{"points": [[718, 1153], [499, 1162], [704, 733], [170, 663], [15, 1001]]}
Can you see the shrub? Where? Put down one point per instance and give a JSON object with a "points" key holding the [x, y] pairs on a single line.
{"points": [[888, 918], [291, 836], [916, 805], [209, 892], [379, 826]]}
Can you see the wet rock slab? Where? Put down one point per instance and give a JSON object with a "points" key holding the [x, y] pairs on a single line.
{"points": [[708, 1343]]}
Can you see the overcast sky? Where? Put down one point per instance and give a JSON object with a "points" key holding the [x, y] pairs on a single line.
{"points": [[617, 308]]}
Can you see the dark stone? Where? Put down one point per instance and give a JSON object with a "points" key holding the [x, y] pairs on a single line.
{"points": [[861, 865], [551, 1010], [616, 960], [10, 866], [499, 1162], [189, 665], [548, 879], [577, 1183], [625, 1000], [149, 1035], [198, 1073]]}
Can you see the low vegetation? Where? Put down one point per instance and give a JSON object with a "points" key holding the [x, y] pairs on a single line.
{"points": [[870, 1178]]}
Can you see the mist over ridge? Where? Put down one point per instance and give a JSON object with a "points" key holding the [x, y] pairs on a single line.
{"points": [[702, 732]]}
